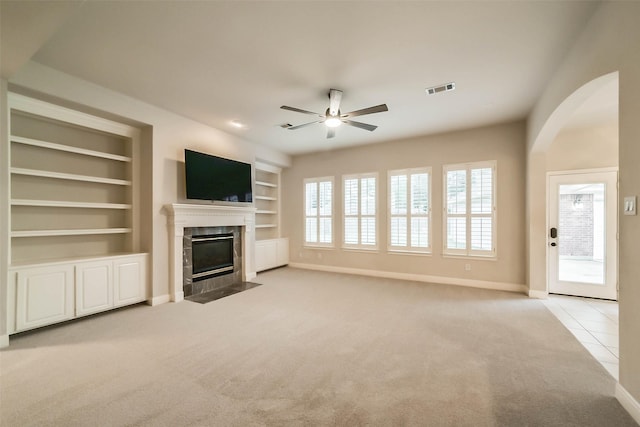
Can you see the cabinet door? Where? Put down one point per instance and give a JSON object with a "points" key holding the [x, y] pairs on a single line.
{"points": [[282, 251], [130, 280], [44, 296], [94, 287], [265, 255]]}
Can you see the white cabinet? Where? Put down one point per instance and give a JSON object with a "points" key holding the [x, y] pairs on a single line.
{"points": [[47, 294], [282, 251], [43, 296], [271, 253], [130, 280], [94, 287]]}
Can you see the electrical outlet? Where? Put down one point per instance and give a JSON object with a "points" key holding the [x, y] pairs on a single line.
{"points": [[467, 267]]}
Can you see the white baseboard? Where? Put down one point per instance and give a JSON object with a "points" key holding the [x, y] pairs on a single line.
{"points": [[251, 276], [161, 299], [628, 402], [538, 294], [4, 341], [472, 283]]}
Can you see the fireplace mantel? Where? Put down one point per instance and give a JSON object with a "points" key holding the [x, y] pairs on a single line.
{"points": [[181, 216]]}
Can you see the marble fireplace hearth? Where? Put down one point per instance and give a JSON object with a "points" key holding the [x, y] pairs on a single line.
{"points": [[181, 217]]}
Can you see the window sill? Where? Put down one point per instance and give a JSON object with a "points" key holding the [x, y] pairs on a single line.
{"points": [[401, 252], [363, 250], [308, 246], [474, 257]]}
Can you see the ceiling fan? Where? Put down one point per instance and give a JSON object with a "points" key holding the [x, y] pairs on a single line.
{"points": [[333, 118]]}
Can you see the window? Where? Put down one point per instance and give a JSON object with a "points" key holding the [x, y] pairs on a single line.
{"points": [[318, 211], [470, 209], [360, 211], [409, 210]]}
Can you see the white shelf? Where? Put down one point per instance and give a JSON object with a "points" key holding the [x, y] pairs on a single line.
{"points": [[266, 198], [261, 211], [65, 204], [266, 226], [266, 184], [69, 176], [76, 232], [68, 148]]}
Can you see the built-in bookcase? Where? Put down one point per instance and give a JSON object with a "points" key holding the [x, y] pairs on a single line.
{"points": [[272, 250], [73, 187], [267, 201], [74, 221]]}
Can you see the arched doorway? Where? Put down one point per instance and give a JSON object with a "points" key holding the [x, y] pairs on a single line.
{"points": [[579, 140]]}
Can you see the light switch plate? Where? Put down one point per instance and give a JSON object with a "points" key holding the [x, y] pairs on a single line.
{"points": [[630, 205]]}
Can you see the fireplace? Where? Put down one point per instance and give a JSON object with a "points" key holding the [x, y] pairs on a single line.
{"points": [[212, 255], [188, 220], [211, 258]]}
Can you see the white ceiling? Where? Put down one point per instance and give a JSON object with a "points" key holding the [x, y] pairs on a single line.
{"points": [[218, 61]]}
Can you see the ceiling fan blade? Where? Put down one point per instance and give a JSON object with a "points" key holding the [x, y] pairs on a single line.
{"points": [[335, 96], [360, 125], [377, 109], [303, 125], [331, 132], [298, 110]]}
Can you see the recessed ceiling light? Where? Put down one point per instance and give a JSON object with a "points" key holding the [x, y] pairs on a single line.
{"points": [[237, 124], [442, 88]]}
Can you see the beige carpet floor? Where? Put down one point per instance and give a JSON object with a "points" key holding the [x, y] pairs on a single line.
{"points": [[312, 349]]}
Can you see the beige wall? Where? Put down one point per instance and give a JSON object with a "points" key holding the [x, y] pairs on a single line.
{"points": [[4, 207], [608, 44], [584, 148], [504, 143], [165, 136]]}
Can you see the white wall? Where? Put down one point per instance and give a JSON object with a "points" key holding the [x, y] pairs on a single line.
{"points": [[504, 143], [165, 136], [608, 44]]}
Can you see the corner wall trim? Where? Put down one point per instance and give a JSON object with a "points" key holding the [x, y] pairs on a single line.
{"points": [[4, 341], [161, 299], [483, 284], [628, 402], [538, 294]]}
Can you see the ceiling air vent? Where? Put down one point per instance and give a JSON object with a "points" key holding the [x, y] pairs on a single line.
{"points": [[442, 88]]}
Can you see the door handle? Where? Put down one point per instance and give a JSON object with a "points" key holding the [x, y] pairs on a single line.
{"points": [[553, 233]]}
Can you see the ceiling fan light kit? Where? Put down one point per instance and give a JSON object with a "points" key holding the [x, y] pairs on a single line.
{"points": [[332, 118]]}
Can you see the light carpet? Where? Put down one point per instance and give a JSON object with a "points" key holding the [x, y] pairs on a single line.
{"points": [[312, 348]]}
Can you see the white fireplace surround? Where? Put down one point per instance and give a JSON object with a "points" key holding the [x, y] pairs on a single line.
{"points": [[181, 216]]}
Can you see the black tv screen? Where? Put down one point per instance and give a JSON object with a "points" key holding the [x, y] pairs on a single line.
{"points": [[214, 178]]}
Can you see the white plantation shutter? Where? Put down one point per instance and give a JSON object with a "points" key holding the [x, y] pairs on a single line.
{"points": [[469, 214], [481, 209], [318, 202], [360, 198], [409, 198]]}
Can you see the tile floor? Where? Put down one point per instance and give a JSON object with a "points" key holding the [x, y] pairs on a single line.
{"points": [[594, 323]]}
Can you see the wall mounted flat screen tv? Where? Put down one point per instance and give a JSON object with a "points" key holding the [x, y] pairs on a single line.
{"points": [[215, 178]]}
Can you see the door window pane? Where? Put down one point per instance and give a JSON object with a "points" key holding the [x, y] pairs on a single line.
{"points": [[581, 233]]}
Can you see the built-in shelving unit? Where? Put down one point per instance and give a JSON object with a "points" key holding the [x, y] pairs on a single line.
{"points": [[272, 250], [267, 201], [74, 214], [73, 185]]}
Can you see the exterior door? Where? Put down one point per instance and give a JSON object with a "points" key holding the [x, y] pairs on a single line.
{"points": [[582, 235]]}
